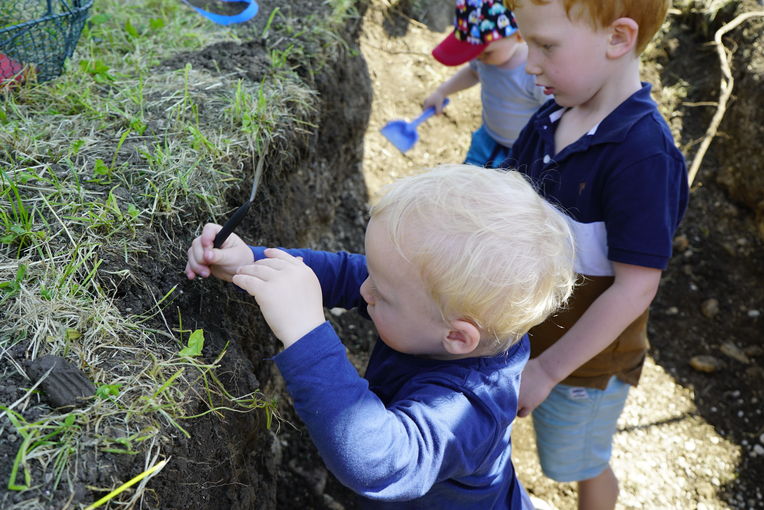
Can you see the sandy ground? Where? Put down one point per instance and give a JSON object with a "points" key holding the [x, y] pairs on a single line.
{"points": [[665, 455]]}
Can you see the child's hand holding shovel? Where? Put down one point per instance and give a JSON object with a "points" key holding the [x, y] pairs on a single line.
{"points": [[223, 262]]}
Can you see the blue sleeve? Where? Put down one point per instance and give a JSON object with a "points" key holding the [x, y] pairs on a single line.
{"points": [[392, 454], [643, 206], [341, 274]]}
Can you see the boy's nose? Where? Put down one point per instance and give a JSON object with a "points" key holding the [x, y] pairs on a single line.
{"points": [[531, 64], [365, 293]]}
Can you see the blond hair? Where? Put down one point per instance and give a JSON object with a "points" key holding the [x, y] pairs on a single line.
{"points": [[648, 14], [489, 249]]}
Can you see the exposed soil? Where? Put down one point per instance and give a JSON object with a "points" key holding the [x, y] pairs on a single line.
{"points": [[687, 439]]}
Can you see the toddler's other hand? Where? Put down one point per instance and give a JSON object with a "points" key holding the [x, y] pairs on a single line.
{"points": [[435, 99], [288, 293], [535, 386], [223, 262]]}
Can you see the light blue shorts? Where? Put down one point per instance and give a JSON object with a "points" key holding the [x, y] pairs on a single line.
{"points": [[484, 151], [575, 427]]}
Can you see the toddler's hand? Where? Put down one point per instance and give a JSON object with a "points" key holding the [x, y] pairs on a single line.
{"points": [[435, 99], [288, 293], [535, 386], [223, 262]]}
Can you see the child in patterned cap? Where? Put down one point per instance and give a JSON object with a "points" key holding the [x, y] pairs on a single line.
{"points": [[485, 35]]}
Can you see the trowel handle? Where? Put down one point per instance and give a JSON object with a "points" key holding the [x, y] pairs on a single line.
{"points": [[427, 113], [231, 224]]}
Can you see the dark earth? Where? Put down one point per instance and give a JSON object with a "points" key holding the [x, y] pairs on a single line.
{"points": [[688, 438]]}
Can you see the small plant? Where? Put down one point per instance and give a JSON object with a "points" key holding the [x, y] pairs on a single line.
{"points": [[16, 220], [52, 436]]}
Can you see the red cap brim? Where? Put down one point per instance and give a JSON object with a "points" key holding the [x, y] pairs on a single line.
{"points": [[453, 52]]}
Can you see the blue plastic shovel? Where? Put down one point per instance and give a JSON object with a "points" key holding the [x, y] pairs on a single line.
{"points": [[403, 134]]}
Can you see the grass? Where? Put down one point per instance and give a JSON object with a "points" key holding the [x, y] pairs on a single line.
{"points": [[115, 146]]}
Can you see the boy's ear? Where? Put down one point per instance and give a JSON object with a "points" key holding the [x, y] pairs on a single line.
{"points": [[623, 37], [462, 338]]}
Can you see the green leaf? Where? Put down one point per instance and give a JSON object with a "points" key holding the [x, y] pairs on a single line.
{"points": [[101, 168], [108, 390], [195, 344], [156, 23], [97, 19], [131, 30]]}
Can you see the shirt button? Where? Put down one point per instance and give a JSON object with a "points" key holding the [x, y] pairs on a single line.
{"points": [[547, 159]]}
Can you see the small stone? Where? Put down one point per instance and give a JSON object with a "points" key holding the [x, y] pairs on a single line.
{"points": [[709, 307], [730, 248], [672, 310], [734, 352], [753, 313], [758, 449], [753, 350], [705, 363], [761, 439], [681, 243]]}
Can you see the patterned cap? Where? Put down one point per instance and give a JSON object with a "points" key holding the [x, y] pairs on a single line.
{"points": [[477, 24]]}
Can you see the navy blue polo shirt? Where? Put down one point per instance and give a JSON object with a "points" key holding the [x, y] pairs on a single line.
{"points": [[623, 185]]}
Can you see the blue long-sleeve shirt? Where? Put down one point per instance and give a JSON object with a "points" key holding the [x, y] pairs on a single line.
{"points": [[415, 432]]}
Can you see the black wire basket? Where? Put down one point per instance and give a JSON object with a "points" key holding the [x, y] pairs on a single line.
{"points": [[37, 36]]}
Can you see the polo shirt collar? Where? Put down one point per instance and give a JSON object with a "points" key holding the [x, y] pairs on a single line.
{"points": [[615, 127]]}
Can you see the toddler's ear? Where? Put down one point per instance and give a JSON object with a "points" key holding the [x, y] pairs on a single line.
{"points": [[623, 37], [463, 337]]}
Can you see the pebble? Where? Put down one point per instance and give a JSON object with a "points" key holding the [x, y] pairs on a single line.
{"points": [[672, 310], [753, 313], [758, 449], [709, 307], [681, 243], [734, 352], [705, 363]]}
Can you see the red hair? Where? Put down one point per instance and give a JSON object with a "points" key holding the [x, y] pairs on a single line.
{"points": [[648, 14]]}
